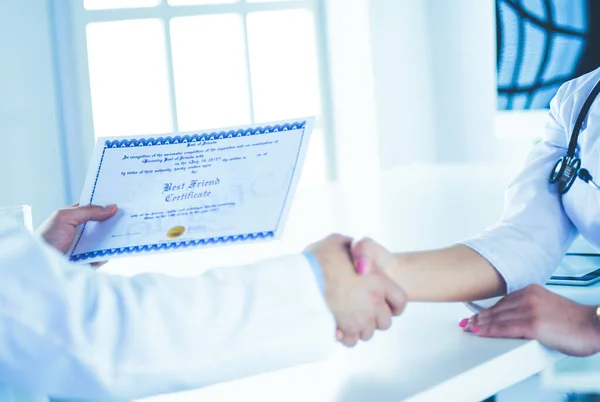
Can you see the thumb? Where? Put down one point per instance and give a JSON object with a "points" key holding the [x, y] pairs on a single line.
{"points": [[367, 256], [394, 295], [79, 215]]}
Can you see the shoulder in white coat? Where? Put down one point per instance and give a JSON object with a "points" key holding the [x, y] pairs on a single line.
{"points": [[538, 226]]}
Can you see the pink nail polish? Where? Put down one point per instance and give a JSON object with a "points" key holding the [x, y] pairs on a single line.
{"points": [[463, 323], [476, 329], [361, 266]]}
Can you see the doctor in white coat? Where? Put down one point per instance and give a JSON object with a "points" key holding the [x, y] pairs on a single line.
{"points": [[551, 202], [74, 333]]}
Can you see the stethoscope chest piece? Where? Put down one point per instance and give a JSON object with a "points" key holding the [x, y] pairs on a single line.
{"points": [[564, 173], [568, 167]]}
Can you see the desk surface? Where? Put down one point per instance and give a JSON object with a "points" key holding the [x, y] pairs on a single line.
{"points": [[424, 356]]}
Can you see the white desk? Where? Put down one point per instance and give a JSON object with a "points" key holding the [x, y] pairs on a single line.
{"points": [[576, 374], [424, 357]]}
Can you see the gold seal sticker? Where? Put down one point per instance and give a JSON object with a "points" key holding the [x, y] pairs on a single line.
{"points": [[175, 232]]}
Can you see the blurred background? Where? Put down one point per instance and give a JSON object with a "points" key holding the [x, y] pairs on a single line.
{"points": [[392, 83]]}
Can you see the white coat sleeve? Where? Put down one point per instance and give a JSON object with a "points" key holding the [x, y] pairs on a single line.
{"points": [[70, 332], [534, 232]]}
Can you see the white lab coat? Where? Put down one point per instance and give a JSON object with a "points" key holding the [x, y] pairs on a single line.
{"points": [[538, 226], [70, 332]]}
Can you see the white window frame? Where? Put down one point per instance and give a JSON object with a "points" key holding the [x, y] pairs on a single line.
{"points": [[68, 28]]}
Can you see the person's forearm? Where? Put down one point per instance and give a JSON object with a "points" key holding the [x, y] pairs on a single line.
{"points": [[456, 273], [74, 333]]}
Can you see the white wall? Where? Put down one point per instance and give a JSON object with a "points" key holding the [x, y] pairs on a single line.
{"points": [[403, 81], [435, 77], [352, 89], [30, 151]]}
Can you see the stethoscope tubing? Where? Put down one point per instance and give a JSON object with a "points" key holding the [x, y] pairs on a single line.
{"points": [[568, 167]]}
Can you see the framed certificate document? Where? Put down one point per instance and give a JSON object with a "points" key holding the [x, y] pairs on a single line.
{"points": [[196, 189]]}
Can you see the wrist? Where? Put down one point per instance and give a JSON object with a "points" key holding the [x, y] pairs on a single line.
{"points": [[397, 270], [317, 269], [402, 259], [593, 312]]}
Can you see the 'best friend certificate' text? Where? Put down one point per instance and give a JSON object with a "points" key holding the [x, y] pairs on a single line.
{"points": [[192, 189]]}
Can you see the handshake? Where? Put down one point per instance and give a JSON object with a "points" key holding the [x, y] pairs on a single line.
{"points": [[358, 291]]}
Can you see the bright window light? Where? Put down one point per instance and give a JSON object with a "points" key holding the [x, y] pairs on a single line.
{"points": [[195, 2], [128, 77], [156, 66], [108, 4], [283, 64], [211, 80]]}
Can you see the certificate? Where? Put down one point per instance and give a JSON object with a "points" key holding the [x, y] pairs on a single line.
{"points": [[189, 190]]}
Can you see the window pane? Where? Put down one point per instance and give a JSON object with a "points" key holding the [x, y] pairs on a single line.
{"points": [[105, 4], [128, 77], [283, 61], [191, 2], [211, 79]]}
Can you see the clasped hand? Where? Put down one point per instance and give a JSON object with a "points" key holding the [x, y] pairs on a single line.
{"points": [[360, 303]]}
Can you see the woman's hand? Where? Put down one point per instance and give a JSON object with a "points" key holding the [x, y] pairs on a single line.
{"points": [[368, 255], [536, 313]]}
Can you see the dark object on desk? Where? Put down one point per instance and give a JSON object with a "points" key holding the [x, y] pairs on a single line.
{"points": [[577, 269]]}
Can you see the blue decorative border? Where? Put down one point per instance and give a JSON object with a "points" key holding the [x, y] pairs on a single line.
{"points": [[141, 142], [173, 245], [221, 135]]}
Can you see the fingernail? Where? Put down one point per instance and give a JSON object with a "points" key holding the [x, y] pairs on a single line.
{"points": [[361, 266], [463, 323], [339, 335], [110, 206], [475, 329]]}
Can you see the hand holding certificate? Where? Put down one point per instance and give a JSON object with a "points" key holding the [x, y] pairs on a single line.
{"points": [[191, 190]]}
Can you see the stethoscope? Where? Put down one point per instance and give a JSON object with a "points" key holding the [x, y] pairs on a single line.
{"points": [[568, 167]]}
